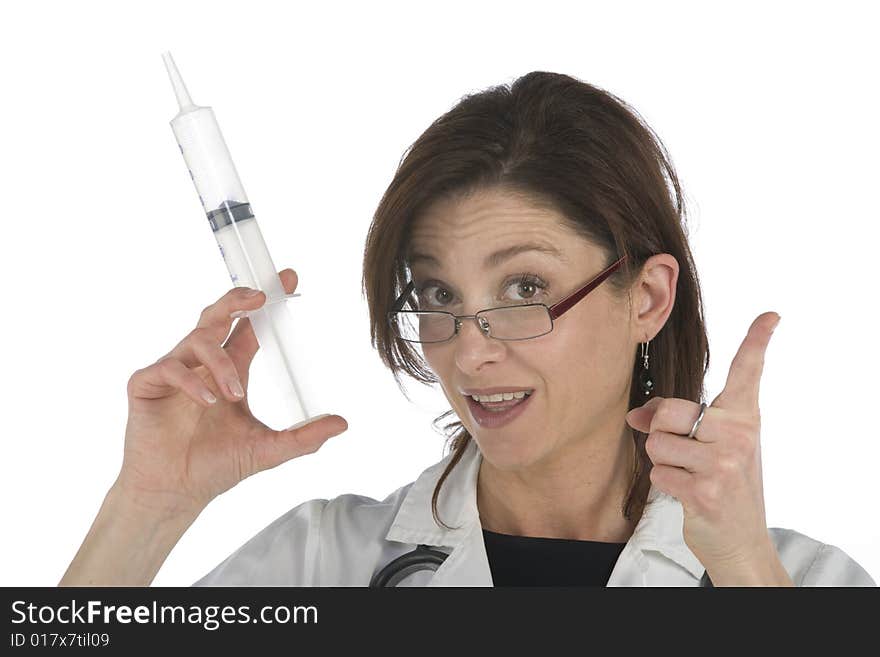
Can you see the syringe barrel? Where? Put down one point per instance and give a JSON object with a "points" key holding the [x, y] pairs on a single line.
{"points": [[241, 245], [207, 157], [225, 202]]}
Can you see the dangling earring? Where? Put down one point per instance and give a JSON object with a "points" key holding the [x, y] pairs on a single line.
{"points": [[645, 380]]}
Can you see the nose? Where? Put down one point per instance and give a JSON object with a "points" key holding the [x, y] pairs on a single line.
{"points": [[474, 348]]}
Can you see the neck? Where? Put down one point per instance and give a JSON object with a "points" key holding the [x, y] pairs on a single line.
{"points": [[576, 493]]}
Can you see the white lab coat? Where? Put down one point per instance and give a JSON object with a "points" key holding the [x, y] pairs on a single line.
{"points": [[345, 540]]}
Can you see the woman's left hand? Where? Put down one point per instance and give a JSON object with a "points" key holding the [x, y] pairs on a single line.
{"points": [[717, 474]]}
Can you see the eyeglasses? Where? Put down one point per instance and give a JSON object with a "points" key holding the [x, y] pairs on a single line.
{"points": [[521, 322]]}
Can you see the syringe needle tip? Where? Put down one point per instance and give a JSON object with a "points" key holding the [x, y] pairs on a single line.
{"points": [[180, 91]]}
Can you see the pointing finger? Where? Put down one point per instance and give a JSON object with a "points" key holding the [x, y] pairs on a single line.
{"points": [[744, 378]]}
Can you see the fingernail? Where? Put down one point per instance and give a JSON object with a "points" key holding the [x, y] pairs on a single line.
{"points": [[252, 293], [777, 323], [238, 313], [308, 421], [235, 389]]}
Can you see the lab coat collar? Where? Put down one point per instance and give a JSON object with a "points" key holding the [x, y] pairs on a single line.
{"points": [[456, 504], [658, 530]]}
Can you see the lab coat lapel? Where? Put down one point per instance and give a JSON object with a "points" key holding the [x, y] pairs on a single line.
{"points": [[656, 553], [467, 563]]}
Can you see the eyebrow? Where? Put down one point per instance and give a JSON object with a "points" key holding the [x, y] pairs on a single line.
{"points": [[497, 258]]}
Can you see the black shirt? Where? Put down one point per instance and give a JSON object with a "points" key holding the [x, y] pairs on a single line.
{"points": [[533, 561]]}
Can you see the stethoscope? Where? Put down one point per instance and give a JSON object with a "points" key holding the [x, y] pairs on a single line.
{"points": [[422, 558], [427, 558]]}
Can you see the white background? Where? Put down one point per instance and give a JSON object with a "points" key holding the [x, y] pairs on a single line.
{"points": [[769, 111]]}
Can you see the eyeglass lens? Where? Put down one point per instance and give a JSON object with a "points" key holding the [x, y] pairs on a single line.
{"points": [[510, 323]]}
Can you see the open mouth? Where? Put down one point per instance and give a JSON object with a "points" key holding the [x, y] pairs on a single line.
{"points": [[491, 412], [501, 401]]}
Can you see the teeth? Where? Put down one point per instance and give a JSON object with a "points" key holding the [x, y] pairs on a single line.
{"points": [[501, 396]]}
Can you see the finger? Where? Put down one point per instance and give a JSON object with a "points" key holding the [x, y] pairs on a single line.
{"points": [[242, 344], [676, 416], [674, 481], [215, 322], [223, 370], [160, 378], [201, 347], [744, 378], [665, 414], [677, 451], [238, 298], [273, 448], [639, 418]]}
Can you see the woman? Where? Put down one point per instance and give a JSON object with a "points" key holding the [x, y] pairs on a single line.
{"points": [[529, 256]]}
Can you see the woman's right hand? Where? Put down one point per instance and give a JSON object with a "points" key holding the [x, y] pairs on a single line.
{"points": [[181, 450]]}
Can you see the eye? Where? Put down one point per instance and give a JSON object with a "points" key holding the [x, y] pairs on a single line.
{"points": [[523, 288], [433, 295], [527, 287]]}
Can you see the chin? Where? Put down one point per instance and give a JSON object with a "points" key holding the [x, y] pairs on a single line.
{"points": [[507, 449]]}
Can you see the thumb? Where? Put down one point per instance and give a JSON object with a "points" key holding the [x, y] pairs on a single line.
{"points": [[272, 448]]}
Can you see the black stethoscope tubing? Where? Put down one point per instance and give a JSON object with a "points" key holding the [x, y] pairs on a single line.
{"points": [[422, 558], [427, 558]]}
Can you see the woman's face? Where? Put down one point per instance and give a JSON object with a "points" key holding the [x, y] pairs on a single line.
{"points": [[579, 373]]}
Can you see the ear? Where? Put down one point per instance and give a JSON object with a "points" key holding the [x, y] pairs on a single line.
{"points": [[653, 295]]}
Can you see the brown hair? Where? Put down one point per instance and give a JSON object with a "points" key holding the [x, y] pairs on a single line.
{"points": [[589, 155]]}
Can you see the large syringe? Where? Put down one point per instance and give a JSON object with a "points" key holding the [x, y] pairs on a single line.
{"points": [[241, 243]]}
